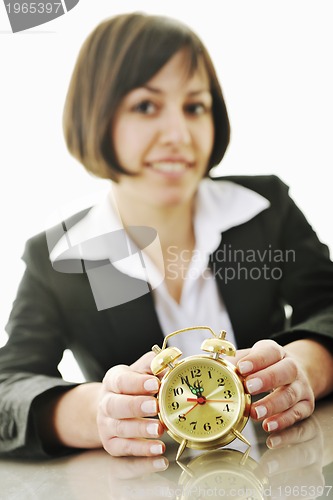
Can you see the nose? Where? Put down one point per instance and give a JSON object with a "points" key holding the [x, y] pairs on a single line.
{"points": [[174, 128]]}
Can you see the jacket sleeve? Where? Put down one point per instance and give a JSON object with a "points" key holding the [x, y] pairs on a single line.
{"points": [[307, 283], [29, 360]]}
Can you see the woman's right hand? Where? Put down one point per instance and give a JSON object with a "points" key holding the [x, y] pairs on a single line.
{"points": [[127, 399]]}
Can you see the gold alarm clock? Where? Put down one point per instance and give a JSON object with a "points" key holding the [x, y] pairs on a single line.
{"points": [[203, 403]]}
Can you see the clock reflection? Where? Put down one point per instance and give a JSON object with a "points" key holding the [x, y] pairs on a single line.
{"points": [[226, 473]]}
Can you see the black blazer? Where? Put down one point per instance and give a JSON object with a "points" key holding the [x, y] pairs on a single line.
{"points": [[54, 310]]}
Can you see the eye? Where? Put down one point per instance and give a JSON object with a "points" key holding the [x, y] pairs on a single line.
{"points": [[196, 108], [145, 107]]}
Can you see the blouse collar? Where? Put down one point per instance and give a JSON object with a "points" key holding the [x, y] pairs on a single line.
{"points": [[220, 205]]}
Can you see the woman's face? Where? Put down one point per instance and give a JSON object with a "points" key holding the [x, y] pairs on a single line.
{"points": [[164, 132]]}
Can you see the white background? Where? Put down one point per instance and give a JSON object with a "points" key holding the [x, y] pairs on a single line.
{"points": [[274, 60]]}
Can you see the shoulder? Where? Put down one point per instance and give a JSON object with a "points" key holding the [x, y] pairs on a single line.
{"points": [[266, 185], [270, 187], [38, 248]]}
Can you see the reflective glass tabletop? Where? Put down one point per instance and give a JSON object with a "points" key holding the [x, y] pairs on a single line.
{"points": [[296, 463]]}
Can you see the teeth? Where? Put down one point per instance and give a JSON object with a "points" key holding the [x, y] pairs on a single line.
{"points": [[169, 166]]}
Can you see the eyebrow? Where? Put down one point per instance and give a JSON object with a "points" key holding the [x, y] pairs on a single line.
{"points": [[191, 93]]}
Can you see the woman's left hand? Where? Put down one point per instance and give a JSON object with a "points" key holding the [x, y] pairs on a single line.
{"points": [[271, 368]]}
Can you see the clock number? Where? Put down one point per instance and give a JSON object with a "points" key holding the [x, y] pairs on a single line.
{"points": [[175, 405], [196, 372], [194, 425], [226, 408], [220, 382], [178, 391], [184, 380], [219, 420], [207, 426], [209, 374], [227, 394], [181, 418]]}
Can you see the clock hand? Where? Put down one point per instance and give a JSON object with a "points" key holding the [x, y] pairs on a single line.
{"points": [[200, 400], [192, 389], [198, 388], [212, 400], [220, 400], [195, 388], [191, 408]]}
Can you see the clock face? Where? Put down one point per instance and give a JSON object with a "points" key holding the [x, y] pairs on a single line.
{"points": [[201, 399]]}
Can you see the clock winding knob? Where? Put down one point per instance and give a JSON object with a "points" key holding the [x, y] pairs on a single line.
{"points": [[164, 358], [219, 345]]}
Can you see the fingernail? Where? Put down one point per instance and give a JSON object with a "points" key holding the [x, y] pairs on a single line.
{"points": [[149, 406], [152, 429], [275, 441], [261, 411], [272, 426], [160, 464], [156, 449], [245, 367], [151, 385], [254, 385]]}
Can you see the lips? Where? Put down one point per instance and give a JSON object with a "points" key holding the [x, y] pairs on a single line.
{"points": [[173, 167], [170, 166]]}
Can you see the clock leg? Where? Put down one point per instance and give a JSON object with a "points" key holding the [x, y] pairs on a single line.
{"points": [[239, 436], [185, 468], [181, 449]]}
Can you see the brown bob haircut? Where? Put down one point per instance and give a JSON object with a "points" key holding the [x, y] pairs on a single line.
{"points": [[121, 54]]}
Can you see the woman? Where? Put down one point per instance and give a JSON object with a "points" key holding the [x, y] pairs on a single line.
{"points": [[145, 109]]}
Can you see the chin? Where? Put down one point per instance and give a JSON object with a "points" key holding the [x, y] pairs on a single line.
{"points": [[172, 199]]}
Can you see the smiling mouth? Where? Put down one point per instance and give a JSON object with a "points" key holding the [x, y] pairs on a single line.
{"points": [[170, 167]]}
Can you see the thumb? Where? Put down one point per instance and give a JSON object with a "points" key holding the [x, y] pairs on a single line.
{"points": [[142, 365]]}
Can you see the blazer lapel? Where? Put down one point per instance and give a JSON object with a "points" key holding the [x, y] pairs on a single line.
{"points": [[247, 299], [135, 327]]}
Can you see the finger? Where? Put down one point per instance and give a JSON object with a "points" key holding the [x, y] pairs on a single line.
{"points": [[240, 353], [142, 364], [299, 411], [134, 428], [263, 354], [122, 379], [278, 401], [123, 406], [276, 375], [121, 447]]}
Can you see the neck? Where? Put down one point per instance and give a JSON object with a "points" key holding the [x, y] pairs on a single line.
{"points": [[173, 224]]}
